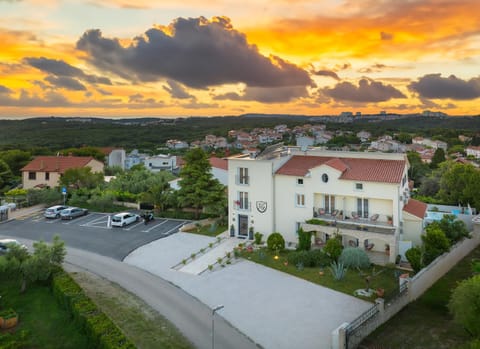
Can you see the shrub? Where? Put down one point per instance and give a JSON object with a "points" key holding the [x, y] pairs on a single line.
{"points": [[338, 270], [435, 243], [304, 240], [258, 238], [464, 305], [414, 257], [353, 257], [333, 248], [276, 242]]}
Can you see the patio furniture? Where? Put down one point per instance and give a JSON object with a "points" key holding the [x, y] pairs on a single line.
{"points": [[334, 213], [321, 211], [374, 217], [355, 215], [369, 246]]}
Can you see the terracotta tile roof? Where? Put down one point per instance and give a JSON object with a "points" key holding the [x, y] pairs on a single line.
{"points": [[57, 163], [416, 208], [367, 170], [219, 163]]}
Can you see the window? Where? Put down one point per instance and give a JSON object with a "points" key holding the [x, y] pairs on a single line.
{"points": [[324, 178], [299, 181], [243, 175], [47, 176], [300, 200], [32, 175], [404, 181], [359, 186], [243, 199], [362, 207], [329, 203]]}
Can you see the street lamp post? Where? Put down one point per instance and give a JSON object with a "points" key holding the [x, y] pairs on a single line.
{"points": [[214, 310]]}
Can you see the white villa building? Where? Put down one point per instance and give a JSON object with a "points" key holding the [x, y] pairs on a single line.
{"points": [[362, 196]]}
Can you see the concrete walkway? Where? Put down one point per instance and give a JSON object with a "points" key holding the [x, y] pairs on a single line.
{"points": [[201, 263], [23, 212]]}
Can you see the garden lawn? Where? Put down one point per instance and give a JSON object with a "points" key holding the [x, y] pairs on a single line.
{"points": [[42, 322], [426, 323], [208, 230], [353, 280]]}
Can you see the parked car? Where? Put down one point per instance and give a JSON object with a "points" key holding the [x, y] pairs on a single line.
{"points": [[124, 218], [5, 243], [72, 212], [54, 211]]}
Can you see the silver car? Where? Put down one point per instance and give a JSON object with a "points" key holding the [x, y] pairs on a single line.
{"points": [[72, 212], [5, 243]]}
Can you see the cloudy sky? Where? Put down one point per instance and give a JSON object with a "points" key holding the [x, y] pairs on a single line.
{"points": [[228, 57]]}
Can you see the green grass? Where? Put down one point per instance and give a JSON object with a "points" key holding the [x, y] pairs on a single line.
{"points": [[207, 230], [41, 319], [352, 281], [426, 323]]}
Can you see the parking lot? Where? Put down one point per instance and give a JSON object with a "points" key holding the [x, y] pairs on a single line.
{"points": [[92, 232]]}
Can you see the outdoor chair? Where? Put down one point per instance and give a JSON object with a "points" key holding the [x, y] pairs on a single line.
{"points": [[321, 211], [355, 215], [374, 217], [334, 213]]}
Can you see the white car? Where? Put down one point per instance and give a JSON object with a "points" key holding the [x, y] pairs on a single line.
{"points": [[5, 243], [124, 218], [54, 211]]}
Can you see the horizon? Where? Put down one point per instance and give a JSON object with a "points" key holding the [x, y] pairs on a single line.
{"points": [[74, 58]]}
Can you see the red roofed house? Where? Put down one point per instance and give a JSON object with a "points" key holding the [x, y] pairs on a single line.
{"points": [[45, 171], [219, 169], [364, 196]]}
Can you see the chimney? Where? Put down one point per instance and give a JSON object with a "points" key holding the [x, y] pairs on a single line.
{"points": [[42, 164]]}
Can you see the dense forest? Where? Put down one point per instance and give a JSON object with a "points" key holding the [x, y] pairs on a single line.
{"points": [[59, 133]]}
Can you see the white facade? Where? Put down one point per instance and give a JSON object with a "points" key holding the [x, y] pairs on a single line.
{"points": [[474, 151], [265, 197], [160, 162], [116, 158]]}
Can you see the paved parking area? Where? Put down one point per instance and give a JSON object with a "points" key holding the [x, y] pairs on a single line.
{"points": [[92, 232]]}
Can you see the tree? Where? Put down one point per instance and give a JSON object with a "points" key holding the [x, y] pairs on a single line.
{"points": [[465, 305], [159, 194], [333, 247], [414, 257], [438, 158], [82, 177], [417, 169], [36, 266], [459, 183], [85, 151], [454, 229], [15, 159], [5, 174], [435, 243], [304, 240], [198, 188]]}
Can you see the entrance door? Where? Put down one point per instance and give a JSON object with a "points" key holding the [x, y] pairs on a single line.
{"points": [[242, 225]]}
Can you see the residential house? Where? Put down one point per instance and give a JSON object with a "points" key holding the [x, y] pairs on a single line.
{"points": [[161, 162], [134, 158], [430, 143], [360, 195], [364, 136], [305, 141], [114, 157], [176, 144], [219, 169], [473, 151], [45, 171]]}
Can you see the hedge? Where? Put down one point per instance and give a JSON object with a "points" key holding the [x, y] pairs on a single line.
{"points": [[101, 332]]}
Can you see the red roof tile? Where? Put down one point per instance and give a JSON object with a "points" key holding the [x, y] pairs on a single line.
{"points": [[57, 163], [368, 170], [219, 163], [416, 208]]}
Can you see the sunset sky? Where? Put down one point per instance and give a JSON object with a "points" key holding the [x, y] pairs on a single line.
{"points": [[224, 57]]}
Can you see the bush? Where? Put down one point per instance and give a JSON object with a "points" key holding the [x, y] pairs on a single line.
{"points": [[100, 330], [276, 242], [311, 258], [304, 240], [414, 257], [464, 305], [258, 238], [316, 221], [333, 248], [320, 257], [354, 257]]}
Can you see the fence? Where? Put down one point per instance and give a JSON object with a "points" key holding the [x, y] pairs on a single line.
{"points": [[350, 335]]}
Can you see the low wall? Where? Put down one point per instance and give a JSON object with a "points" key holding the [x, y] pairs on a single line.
{"points": [[426, 277], [127, 204]]}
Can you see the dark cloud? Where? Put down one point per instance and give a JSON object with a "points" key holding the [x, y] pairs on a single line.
{"points": [[50, 100], [65, 82], [5, 90], [435, 87], [375, 68], [199, 53], [104, 92], [176, 90], [266, 95], [366, 91], [62, 69], [343, 66], [329, 73], [386, 36]]}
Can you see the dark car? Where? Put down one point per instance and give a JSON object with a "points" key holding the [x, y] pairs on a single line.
{"points": [[72, 212]]}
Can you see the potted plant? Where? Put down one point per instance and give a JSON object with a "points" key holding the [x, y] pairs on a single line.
{"points": [[250, 233], [390, 220], [232, 231], [8, 318], [380, 292]]}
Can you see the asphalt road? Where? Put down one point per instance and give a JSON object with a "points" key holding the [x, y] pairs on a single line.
{"points": [[91, 232]]}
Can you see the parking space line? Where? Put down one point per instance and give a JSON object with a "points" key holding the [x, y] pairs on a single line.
{"points": [[148, 230], [96, 219], [133, 226], [79, 219], [171, 230]]}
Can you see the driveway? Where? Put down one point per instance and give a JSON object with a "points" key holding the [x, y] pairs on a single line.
{"points": [[274, 309]]}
